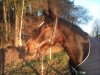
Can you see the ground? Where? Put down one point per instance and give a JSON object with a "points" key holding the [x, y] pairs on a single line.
{"points": [[58, 65]]}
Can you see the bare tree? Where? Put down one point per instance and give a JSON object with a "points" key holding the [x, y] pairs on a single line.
{"points": [[5, 21], [61, 8], [96, 28], [79, 15], [21, 23], [19, 10], [68, 11]]}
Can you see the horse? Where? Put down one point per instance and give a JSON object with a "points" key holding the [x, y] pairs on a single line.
{"points": [[80, 47]]}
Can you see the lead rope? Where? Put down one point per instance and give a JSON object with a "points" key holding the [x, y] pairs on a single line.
{"points": [[50, 53], [53, 35], [42, 66]]}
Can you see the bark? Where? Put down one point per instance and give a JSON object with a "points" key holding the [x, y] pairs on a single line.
{"points": [[17, 30], [21, 23], [5, 21], [18, 24]]}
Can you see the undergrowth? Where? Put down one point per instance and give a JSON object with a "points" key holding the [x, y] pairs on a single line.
{"points": [[58, 65]]}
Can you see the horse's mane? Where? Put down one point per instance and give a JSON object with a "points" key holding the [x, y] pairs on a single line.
{"points": [[74, 28]]}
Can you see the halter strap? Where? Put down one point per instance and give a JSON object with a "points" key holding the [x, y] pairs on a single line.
{"points": [[41, 24], [54, 29]]}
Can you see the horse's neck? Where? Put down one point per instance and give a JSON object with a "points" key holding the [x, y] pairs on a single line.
{"points": [[75, 45], [79, 50]]}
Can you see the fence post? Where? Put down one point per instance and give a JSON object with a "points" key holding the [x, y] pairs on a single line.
{"points": [[2, 61]]}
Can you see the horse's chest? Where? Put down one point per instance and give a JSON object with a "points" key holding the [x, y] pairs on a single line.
{"points": [[92, 65]]}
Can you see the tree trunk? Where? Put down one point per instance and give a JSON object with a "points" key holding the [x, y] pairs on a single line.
{"points": [[21, 23], [5, 21], [18, 24]]}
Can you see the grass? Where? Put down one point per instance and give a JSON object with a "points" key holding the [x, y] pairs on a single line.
{"points": [[58, 65]]}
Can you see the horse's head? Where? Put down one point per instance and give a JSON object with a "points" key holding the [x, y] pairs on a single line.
{"points": [[45, 36]]}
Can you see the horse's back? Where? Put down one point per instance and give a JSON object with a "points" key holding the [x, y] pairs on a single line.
{"points": [[92, 65]]}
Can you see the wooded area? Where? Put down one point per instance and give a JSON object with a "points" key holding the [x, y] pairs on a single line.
{"points": [[19, 18]]}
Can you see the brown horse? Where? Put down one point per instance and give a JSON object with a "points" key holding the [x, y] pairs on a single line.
{"points": [[73, 39]]}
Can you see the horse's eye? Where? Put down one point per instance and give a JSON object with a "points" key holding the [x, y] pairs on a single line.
{"points": [[44, 26], [35, 30]]}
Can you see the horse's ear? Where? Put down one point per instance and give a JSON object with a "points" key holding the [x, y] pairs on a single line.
{"points": [[49, 15], [46, 14]]}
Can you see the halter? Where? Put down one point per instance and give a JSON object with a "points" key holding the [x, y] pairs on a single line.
{"points": [[50, 40], [41, 24], [52, 35]]}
